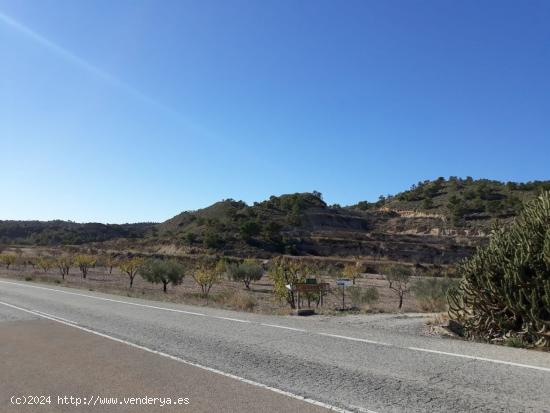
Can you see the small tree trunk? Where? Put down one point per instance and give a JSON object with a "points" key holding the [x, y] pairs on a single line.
{"points": [[400, 301], [131, 280], [164, 285], [291, 300], [247, 284]]}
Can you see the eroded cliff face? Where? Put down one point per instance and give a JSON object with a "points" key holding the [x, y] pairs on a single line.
{"points": [[385, 235], [427, 249], [402, 236], [375, 236]]}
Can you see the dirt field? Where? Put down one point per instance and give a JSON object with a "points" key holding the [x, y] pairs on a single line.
{"points": [[226, 294]]}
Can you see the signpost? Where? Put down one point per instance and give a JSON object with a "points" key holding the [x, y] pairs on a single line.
{"points": [[343, 282]]}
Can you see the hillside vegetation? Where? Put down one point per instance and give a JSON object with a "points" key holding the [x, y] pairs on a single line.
{"points": [[66, 232], [435, 222], [463, 201]]}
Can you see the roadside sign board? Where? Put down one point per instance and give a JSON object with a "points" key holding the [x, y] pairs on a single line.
{"points": [[343, 282]]}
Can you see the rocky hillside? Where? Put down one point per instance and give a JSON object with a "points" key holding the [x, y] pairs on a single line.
{"points": [[435, 222], [464, 202], [302, 224]]}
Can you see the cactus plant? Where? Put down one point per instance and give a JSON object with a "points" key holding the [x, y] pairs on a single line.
{"points": [[505, 288]]}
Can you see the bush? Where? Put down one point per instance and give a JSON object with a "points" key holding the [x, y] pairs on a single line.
{"points": [[431, 293], [360, 296], [505, 286], [250, 229], [245, 272], [212, 240], [514, 342], [190, 237], [242, 300]]}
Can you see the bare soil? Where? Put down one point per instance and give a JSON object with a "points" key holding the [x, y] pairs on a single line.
{"points": [[227, 294]]}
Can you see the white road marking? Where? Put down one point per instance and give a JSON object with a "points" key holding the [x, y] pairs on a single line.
{"points": [[55, 316], [527, 366], [107, 299], [364, 340], [284, 327], [510, 363], [238, 320], [190, 363]]}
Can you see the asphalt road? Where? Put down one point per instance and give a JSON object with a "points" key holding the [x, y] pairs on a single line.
{"points": [[230, 361]]}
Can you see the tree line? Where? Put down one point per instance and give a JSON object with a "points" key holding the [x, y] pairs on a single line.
{"points": [[282, 270]]}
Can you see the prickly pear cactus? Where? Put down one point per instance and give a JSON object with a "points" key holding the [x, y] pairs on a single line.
{"points": [[505, 286]]}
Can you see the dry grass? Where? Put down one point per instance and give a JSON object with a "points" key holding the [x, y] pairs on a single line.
{"points": [[438, 319], [227, 294]]}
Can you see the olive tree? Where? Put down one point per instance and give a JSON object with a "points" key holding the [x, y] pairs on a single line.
{"points": [[246, 272], [159, 271]]}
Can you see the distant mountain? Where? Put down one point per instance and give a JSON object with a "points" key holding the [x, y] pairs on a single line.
{"points": [[66, 232], [435, 222]]}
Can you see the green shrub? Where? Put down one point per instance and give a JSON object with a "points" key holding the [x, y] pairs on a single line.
{"points": [[190, 238], [212, 240], [360, 296], [505, 286], [514, 342], [249, 229], [431, 293], [245, 272]]}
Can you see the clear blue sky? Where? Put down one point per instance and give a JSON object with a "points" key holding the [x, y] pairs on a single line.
{"points": [[129, 110]]}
